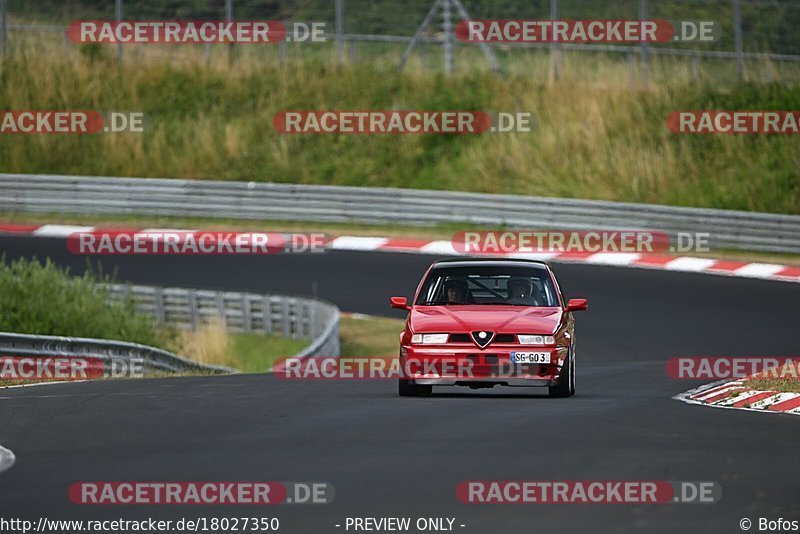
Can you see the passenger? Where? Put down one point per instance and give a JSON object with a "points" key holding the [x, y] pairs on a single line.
{"points": [[521, 291]]}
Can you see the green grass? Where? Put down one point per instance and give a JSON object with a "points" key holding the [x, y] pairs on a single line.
{"points": [[42, 298], [370, 336], [788, 385], [598, 134], [254, 353]]}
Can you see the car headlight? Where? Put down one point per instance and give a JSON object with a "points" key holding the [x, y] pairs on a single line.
{"points": [[429, 339], [536, 340]]}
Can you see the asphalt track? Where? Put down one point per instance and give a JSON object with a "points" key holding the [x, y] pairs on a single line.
{"points": [[388, 456]]}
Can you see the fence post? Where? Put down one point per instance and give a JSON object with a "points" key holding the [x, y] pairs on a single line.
{"points": [[282, 50], [737, 38], [340, 31], [554, 45], [3, 26], [447, 28], [229, 18], [119, 13], [644, 46]]}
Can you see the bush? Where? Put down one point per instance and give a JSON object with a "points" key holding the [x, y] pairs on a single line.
{"points": [[44, 299]]}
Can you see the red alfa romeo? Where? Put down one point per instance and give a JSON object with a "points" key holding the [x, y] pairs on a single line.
{"points": [[488, 322]]}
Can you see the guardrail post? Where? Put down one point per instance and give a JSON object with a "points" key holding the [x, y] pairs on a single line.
{"points": [[191, 297], [737, 38], [220, 299], [306, 320], [266, 310], [285, 318], [158, 305], [246, 314]]}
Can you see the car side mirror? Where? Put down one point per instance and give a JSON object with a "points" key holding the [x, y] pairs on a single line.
{"points": [[401, 303], [577, 305]]}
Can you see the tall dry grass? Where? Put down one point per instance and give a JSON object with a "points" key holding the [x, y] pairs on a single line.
{"points": [[600, 130], [210, 344]]}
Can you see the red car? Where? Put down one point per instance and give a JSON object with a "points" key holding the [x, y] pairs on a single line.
{"points": [[487, 322]]}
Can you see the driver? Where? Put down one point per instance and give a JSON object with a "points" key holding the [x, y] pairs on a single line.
{"points": [[520, 291], [455, 291]]}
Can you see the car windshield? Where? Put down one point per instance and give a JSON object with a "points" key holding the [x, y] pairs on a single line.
{"points": [[490, 284]]}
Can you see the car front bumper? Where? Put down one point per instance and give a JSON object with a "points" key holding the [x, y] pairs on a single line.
{"points": [[469, 366]]}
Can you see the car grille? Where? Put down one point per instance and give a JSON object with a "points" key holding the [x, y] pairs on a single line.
{"points": [[499, 338]]}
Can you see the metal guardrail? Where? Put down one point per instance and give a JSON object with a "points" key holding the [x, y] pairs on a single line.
{"points": [[270, 201], [150, 358], [292, 317]]}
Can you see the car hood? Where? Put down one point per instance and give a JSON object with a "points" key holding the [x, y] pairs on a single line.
{"points": [[499, 319]]}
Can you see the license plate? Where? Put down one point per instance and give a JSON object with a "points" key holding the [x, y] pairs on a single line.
{"points": [[530, 357]]}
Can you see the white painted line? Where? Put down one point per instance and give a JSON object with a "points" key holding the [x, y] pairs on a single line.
{"points": [[45, 383], [613, 258], [440, 247], [7, 459], [727, 401], [760, 406], [541, 256], [164, 231], [769, 401], [758, 270], [60, 230], [686, 263], [357, 243], [764, 271], [718, 392]]}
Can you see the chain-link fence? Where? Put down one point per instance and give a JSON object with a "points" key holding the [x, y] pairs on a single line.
{"points": [[757, 39]]}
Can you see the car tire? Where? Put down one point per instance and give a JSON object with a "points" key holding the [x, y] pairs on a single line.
{"points": [[566, 382], [406, 388]]}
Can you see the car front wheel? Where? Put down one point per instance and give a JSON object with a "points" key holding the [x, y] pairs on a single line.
{"points": [[566, 383]]}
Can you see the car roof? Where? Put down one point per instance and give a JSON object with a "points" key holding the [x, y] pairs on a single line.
{"points": [[500, 262]]}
